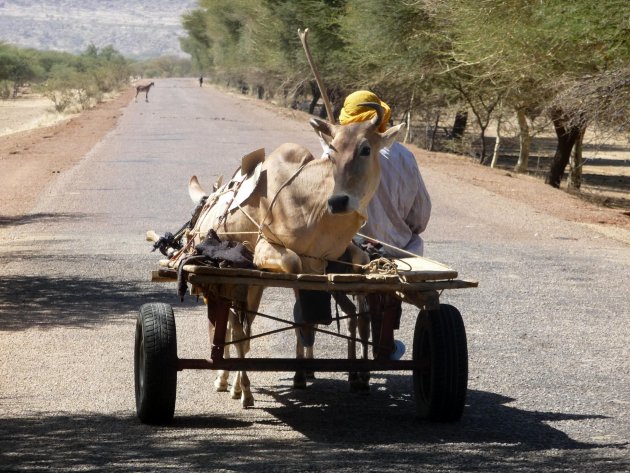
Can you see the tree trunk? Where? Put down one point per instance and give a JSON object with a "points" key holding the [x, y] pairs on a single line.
{"points": [[459, 126], [574, 180], [524, 142], [435, 128], [408, 130], [316, 96], [497, 145], [497, 141], [482, 135], [567, 136]]}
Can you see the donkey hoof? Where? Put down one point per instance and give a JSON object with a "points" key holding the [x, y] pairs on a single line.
{"points": [[235, 393], [247, 401], [359, 388], [220, 385], [299, 381]]}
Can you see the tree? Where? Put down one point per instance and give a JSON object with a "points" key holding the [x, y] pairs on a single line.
{"points": [[18, 66], [197, 43], [588, 38]]}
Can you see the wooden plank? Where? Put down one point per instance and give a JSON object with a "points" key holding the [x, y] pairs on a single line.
{"points": [[312, 277], [410, 270], [415, 274], [159, 276], [423, 269], [365, 286], [339, 277], [236, 272], [382, 277]]}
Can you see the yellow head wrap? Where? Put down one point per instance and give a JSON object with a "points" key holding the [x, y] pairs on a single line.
{"points": [[352, 112]]}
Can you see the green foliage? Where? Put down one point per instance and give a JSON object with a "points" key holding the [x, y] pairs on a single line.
{"points": [[165, 66], [519, 50], [69, 80], [18, 66], [428, 58]]}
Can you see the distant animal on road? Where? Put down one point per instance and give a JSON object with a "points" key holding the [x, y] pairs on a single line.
{"points": [[144, 88]]}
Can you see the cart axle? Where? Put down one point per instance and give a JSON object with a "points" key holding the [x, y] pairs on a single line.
{"points": [[293, 364]]}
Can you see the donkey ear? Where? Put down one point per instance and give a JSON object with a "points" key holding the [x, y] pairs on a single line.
{"points": [[389, 136], [195, 191], [323, 128]]}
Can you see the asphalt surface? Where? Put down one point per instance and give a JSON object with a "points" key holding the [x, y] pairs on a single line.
{"points": [[548, 328]]}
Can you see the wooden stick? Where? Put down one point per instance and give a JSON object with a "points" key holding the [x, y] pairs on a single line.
{"points": [[329, 110]]}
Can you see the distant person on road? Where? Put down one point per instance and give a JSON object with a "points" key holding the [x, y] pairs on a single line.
{"points": [[200, 81]]}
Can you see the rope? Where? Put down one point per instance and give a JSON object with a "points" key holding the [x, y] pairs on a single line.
{"points": [[273, 201], [382, 266]]}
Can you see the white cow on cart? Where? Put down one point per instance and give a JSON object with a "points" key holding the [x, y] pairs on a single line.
{"points": [[303, 212]]}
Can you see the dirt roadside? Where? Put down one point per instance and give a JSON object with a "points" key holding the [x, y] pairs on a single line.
{"points": [[31, 160]]}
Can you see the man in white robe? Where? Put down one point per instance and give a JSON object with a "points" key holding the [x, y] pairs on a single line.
{"points": [[400, 209]]}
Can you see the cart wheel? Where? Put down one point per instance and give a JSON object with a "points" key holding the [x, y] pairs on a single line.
{"points": [[440, 355], [155, 363]]}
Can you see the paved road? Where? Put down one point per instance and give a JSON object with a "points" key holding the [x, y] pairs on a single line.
{"points": [[548, 328]]}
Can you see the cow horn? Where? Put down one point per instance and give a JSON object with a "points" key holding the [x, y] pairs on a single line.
{"points": [[380, 112]]}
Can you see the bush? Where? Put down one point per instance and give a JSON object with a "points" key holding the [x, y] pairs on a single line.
{"points": [[6, 89], [62, 99], [68, 80]]}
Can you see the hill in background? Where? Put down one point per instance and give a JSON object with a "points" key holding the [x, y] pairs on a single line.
{"points": [[137, 28]]}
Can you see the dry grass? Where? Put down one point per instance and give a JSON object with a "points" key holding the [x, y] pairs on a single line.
{"points": [[27, 113]]}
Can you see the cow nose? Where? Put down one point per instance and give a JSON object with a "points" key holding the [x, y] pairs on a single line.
{"points": [[338, 203]]}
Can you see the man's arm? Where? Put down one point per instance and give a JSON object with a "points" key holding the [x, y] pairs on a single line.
{"points": [[420, 210]]}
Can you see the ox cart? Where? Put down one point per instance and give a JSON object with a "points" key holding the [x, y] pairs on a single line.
{"points": [[438, 362]]}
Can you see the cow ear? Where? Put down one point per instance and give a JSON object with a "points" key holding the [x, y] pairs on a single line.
{"points": [[389, 136], [323, 128]]}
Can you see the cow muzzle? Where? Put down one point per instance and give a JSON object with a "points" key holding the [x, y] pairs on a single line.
{"points": [[338, 204]]}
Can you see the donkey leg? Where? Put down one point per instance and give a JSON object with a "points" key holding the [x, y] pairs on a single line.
{"points": [[242, 386], [299, 378], [358, 381], [364, 335], [221, 381], [353, 376], [309, 356]]}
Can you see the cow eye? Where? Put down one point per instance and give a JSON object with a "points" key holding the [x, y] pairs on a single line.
{"points": [[365, 151]]}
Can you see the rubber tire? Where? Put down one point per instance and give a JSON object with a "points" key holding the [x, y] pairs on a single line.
{"points": [[155, 364], [440, 353]]}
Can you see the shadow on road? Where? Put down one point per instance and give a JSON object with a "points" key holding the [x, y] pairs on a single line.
{"points": [[49, 302], [26, 219], [373, 433], [389, 417]]}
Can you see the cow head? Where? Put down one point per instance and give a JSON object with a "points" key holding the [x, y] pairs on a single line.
{"points": [[354, 151]]}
